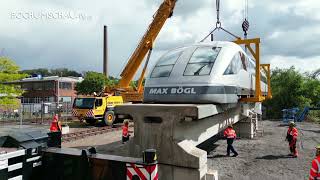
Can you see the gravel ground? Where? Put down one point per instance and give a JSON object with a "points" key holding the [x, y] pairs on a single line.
{"points": [[263, 158], [266, 157]]}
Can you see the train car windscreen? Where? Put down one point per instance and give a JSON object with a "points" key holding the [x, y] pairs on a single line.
{"points": [[202, 61], [165, 64]]}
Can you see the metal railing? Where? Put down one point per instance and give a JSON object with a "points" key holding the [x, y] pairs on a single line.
{"points": [[35, 112]]}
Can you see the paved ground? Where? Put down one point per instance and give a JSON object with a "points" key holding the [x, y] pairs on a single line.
{"points": [[266, 157]]}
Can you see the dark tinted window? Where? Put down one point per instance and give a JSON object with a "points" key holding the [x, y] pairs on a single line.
{"points": [[48, 85], [65, 85], [84, 103], [244, 60], [98, 102]]}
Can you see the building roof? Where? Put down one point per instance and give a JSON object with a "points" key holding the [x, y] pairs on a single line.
{"points": [[50, 78]]}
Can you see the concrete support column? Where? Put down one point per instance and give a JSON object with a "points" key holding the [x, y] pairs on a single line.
{"points": [[175, 131], [245, 128]]}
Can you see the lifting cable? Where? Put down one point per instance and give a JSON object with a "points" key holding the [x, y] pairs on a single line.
{"points": [[218, 25], [245, 24]]}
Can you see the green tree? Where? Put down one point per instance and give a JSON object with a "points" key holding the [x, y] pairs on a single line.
{"points": [[291, 89], [9, 71], [62, 72], [93, 82], [42, 71]]}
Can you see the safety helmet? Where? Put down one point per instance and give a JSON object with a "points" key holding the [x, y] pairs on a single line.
{"points": [[292, 124], [126, 121], [318, 150]]}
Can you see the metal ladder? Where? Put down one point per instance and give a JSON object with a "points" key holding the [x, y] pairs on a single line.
{"points": [[256, 119]]}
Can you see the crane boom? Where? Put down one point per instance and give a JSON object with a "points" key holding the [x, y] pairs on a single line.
{"points": [[163, 13]]}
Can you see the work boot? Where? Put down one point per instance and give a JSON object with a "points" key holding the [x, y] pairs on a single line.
{"points": [[235, 155]]}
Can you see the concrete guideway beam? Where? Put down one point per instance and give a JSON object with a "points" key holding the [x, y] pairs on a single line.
{"points": [[175, 130]]}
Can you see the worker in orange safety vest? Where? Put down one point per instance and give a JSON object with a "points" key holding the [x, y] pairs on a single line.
{"points": [[292, 136], [55, 124], [315, 166], [125, 131], [230, 134]]}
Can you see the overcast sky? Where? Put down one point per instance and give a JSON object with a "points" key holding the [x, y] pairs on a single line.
{"points": [[60, 33]]}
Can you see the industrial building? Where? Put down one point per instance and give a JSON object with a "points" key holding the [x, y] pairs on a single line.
{"points": [[48, 89]]}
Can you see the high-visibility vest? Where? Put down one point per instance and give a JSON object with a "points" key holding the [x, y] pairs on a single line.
{"points": [[55, 126], [230, 133], [293, 132], [315, 169], [125, 131]]}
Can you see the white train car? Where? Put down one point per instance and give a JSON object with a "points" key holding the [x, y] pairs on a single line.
{"points": [[216, 72]]}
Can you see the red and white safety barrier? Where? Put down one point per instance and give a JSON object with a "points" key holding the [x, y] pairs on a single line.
{"points": [[75, 113], [90, 114], [144, 172]]}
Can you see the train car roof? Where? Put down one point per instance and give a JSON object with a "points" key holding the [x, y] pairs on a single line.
{"points": [[211, 43]]}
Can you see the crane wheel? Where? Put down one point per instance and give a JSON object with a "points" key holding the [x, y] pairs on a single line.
{"points": [[109, 118]]}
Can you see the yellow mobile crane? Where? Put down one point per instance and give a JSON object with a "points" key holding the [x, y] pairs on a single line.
{"points": [[92, 109]]}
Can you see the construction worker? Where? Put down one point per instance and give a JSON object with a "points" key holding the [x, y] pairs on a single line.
{"points": [[230, 134], [55, 124], [125, 131], [315, 166], [292, 136]]}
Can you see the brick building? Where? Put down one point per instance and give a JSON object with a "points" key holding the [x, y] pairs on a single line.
{"points": [[48, 89]]}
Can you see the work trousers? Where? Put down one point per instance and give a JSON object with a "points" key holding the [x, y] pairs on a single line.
{"points": [[125, 139], [293, 146], [230, 147]]}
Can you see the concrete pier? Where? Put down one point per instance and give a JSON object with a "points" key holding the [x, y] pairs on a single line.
{"points": [[175, 130]]}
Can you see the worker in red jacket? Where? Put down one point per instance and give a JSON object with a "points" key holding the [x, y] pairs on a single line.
{"points": [[125, 131], [292, 136], [55, 124], [315, 166], [230, 134]]}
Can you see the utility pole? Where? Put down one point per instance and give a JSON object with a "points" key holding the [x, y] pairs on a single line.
{"points": [[105, 51]]}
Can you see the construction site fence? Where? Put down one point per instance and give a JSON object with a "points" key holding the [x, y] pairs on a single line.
{"points": [[35, 112]]}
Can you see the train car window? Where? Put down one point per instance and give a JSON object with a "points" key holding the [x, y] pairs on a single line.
{"points": [[252, 67], [202, 61], [244, 61], [161, 71], [165, 65], [98, 103], [235, 65], [263, 78]]}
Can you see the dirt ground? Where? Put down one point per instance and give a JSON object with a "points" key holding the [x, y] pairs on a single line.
{"points": [[262, 158]]}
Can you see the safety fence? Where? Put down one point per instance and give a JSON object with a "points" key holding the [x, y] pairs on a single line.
{"points": [[35, 112]]}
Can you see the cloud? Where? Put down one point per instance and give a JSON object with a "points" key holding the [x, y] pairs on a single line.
{"points": [[289, 30], [301, 64]]}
